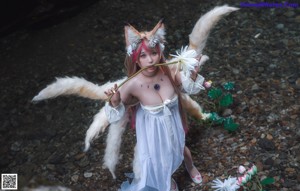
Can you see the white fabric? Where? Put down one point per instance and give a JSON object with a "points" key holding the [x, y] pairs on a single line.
{"points": [[114, 113], [190, 86], [159, 150]]}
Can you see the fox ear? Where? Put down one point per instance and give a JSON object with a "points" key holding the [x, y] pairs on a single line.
{"points": [[131, 35], [158, 31], [161, 32]]}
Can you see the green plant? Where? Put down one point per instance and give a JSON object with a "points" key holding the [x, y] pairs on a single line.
{"points": [[220, 99]]}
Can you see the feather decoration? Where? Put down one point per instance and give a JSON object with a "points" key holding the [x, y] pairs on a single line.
{"points": [[201, 30]]}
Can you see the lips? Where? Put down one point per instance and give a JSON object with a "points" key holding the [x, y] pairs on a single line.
{"points": [[152, 68]]}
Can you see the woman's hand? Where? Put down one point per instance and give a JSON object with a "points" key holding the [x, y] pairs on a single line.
{"points": [[194, 72], [116, 97]]}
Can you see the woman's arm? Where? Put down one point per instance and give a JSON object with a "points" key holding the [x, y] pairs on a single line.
{"points": [[191, 83], [115, 108]]}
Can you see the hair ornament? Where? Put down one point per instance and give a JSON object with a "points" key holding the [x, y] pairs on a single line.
{"points": [[133, 37]]}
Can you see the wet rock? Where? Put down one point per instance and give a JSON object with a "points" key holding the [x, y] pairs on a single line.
{"points": [[75, 178], [297, 83], [280, 26], [227, 112], [16, 146], [87, 174], [84, 162], [269, 161], [56, 158], [266, 144]]}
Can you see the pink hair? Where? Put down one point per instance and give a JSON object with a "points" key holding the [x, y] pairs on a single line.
{"points": [[143, 45]]}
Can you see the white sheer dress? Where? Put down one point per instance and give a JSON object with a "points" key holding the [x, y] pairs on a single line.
{"points": [[159, 149]]}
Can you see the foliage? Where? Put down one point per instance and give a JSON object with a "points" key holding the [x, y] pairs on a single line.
{"points": [[220, 99]]}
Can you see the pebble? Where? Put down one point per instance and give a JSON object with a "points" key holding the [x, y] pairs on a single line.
{"points": [[88, 174], [297, 19], [255, 87], [280, 26], [297, 83], [269, 137], [16, 146], [227, 112], [266, 144], [75, 178]]}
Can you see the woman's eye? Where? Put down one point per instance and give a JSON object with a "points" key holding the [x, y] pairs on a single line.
{"points": [[142, 55], [154, 53]]}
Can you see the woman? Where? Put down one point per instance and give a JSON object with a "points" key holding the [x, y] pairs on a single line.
{"points": [[160, 121]]}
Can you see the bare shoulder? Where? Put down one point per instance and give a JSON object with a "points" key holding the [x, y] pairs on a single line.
{"points": [[174, 71], [128, 89]]}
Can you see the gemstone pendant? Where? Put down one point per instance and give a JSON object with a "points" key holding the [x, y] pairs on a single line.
{"points": [[156, 87]]}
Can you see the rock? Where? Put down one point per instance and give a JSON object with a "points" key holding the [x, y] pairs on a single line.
{"points": [[280, 26], [297, 19], [266, 144], [289, 13], [16, 146], [87, 174], [56, 158], [269, 137], [84, 162], [260, 69], [255, 87], [75, 178], [297, 83], [269, 161], [227, 112]]}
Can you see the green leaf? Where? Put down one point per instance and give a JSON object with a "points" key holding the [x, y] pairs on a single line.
{"points": [[229, 124], [268, 180], [216, 118], [228, 86], [214, 93], [226, 100]]}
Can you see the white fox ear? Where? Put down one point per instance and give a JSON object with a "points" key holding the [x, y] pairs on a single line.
{"points": [[131, 35], [160, 33]]}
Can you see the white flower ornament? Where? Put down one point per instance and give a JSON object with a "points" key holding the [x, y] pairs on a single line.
{"points": [[186, 60], [229, 184]]}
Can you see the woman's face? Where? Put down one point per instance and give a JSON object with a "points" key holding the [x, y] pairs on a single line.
{"points": [[149, 58]]}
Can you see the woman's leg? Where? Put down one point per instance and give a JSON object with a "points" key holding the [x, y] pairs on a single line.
{"points": [[192, 170]]}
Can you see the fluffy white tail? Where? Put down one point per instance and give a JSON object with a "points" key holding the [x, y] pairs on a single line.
{"points": [[201, 30], [75, 86], [99, 124], [193, 108], [113, 143]]}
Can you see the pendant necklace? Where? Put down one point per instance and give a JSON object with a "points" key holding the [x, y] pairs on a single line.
{"points": [[156, 87]]}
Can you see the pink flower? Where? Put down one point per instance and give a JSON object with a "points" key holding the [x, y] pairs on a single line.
{"points": [[252, 170], [242, 180], [241, 169], [207, 84]]}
